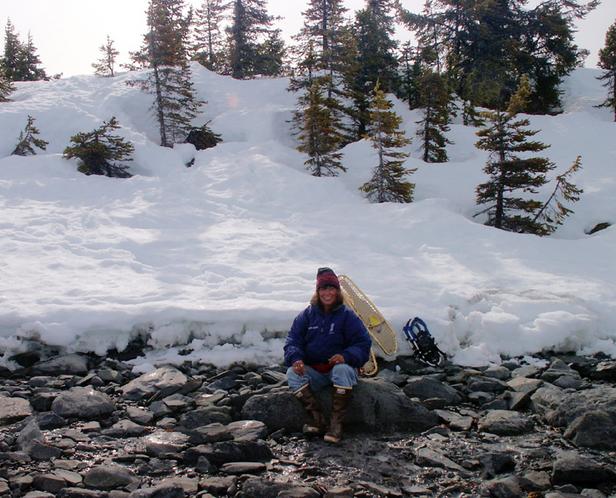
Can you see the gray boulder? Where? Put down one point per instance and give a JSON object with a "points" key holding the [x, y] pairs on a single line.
{"points": [[428, 387], [571, 468], [223, 452], [525, 385], [204, 416], [594, 429], [376, 406], [13, 410], [498, 372], [505, 423], [29, 435], [606, 370], [84, 403], [70, 364], [162, 443], [124, 428], [560, 408], [160, 491], [557, 369], [109, 476], [167, 380], [486, 385]]}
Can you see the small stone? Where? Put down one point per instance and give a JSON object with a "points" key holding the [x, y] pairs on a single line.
{"points": [[486, 385], [167, 423], [430, 458], [139, 415], [339, 492], [190, 486], [160, 491], [218, 485], [93, 426], [81, 493], [243, 468], [247, 429], [109, 375], [124, 428]]}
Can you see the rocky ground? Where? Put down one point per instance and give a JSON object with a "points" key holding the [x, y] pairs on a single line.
{"points": [[84, 426]]}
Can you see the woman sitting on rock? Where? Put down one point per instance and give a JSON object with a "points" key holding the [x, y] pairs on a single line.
{"points": [[326, 345]]}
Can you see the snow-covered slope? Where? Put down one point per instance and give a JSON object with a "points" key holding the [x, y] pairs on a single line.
{"points": [[224, 253]]}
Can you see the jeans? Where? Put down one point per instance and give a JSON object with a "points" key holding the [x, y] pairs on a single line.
{"points": [[342, 375]]}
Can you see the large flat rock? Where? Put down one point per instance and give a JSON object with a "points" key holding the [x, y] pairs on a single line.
{"points": [[13, 410]]}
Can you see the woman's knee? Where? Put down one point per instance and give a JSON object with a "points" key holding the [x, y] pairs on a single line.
{"points": [[344, 375], [294, 380]]}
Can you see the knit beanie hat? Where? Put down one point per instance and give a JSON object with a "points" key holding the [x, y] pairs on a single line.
{"points": [[326, 276]]}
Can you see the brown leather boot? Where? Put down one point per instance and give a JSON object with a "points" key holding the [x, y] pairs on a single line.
{"points": [[312, 406], [340, 402]]}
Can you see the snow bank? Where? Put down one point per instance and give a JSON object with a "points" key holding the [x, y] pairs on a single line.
{"points": [[222, 255]]}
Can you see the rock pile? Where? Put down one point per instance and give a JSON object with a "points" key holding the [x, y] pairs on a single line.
{"points": [[81, 426]]}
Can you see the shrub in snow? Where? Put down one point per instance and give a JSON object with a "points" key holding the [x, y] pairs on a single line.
{"points": [[28, 140], [203, 138], [100, 152]]}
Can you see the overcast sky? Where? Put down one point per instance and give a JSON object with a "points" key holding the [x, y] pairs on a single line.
{"points": [[68, 33]]}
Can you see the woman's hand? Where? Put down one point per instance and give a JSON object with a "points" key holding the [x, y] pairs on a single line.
{"points": [[298, 367], [337, 359]]}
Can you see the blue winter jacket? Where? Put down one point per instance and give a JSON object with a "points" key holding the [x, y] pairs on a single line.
{"points": [[316, 336]]}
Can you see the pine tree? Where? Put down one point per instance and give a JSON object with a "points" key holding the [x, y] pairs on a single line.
{"points": [[320, 45], [251, 24], [554, 212], [29, 62], [486, 45], [607, 62], [318, 131], [100, 152], [6, 87], [435, 99], [270, 55], [28, 139], [505, 136], [375, 60], [20, 61], [209, 44], [105, 66], [12, 52], [409, 76], [387, 183], [165, 53]]}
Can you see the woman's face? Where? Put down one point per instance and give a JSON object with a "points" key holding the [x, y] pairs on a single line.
{"points": [[328, 295]]}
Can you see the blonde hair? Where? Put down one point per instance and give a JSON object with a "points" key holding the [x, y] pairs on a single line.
{"points": [[315, 300]]}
